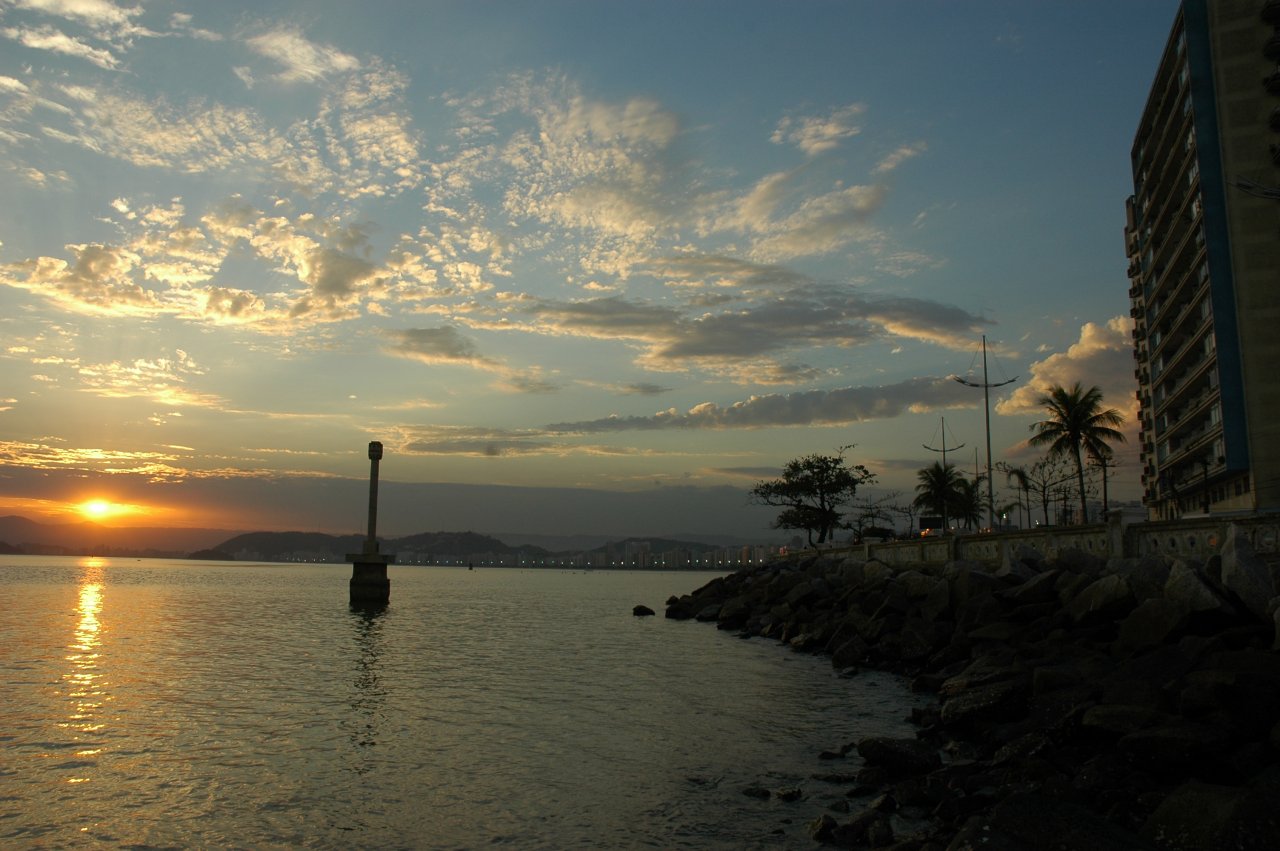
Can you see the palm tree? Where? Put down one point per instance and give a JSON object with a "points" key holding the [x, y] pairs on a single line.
{"points": [[1017, 476], [937, 488], [1077, 425], [968, 501]]}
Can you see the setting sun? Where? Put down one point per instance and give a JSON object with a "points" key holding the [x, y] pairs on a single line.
{"points": [[98, 509]]}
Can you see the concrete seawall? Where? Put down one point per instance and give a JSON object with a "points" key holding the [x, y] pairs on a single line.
{"points": [[1188, 538]]}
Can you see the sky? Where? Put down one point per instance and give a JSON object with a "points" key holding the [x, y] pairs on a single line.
{"points": [[557, 257]]}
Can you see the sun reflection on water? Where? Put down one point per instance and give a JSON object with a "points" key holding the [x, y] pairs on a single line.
{"points": [[83, 682]]}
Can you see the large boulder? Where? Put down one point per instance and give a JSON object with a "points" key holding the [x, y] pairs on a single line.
{"points": [[1188, 588], [1151, 624], [1105, 599]]}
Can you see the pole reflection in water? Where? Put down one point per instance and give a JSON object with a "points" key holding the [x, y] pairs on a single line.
{"points": [[83, 684], [368, 698]]}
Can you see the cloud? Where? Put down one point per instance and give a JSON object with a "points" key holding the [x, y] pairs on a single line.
{"points": [[99, 280], [475, 442], [444, 345], [733, 341], [1103, 356], [100, 14], [816, 134], [56, 41], [162, 380], [822, 224], [303, 60], [898, 156], [814, 407]]}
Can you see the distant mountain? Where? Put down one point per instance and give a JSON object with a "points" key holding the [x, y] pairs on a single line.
{"points": [[21, 535], [90, 538], [657, 545], [270, 546]]}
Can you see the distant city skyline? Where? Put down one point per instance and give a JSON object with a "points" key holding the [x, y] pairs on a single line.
{"points": [[586, 263]]}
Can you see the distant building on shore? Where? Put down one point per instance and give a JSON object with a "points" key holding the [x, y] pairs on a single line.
{"points": [[1203, 239]]}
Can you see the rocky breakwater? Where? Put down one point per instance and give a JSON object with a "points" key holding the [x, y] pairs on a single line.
{"points": [[1082, 703]]}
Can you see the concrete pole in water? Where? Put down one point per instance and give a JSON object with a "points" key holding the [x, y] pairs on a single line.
{"points": [[369, 583]]}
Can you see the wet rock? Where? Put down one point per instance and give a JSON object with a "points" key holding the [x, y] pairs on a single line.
{"points": [[643, 611], [790, 794], [757, 791]]}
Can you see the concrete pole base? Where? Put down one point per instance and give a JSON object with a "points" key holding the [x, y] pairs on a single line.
{"points": [[369, 583]]}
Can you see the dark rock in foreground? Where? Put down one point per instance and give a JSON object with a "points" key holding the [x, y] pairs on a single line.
{"points": [[1131, 703], [642, 611]]}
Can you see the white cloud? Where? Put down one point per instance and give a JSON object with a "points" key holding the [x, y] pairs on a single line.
{"points": [[56, 41], [1102, 357], [303, 60], [815, 134]]}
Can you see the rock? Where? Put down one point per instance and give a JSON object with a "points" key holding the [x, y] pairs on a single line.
{"points": [[1205, 817], [1245, 574], [1117, 719], [1027, 820], [1105, 599], [732, 614], [1188, 589], [999, 701], [1020, 562], [1151, 624], [1038, 589], [791, 794], [1176, 747], [757, 791], [643, 611], [1147, 575], [708, 613], [821, 828], [899, 757]]}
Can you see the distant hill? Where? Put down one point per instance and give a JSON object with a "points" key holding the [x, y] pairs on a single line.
{"points": [[84, 537], [270, 546], [20, 535], [657, 545]]}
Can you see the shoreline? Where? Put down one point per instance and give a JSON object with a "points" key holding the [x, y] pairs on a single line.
{"points": [[1080, 702]]}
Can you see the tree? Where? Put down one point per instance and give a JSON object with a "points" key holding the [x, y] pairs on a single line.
{"points": [[1077, 424], [968, 501], [938, 490], [1042, 477], [1017, 476], [812, 492]]}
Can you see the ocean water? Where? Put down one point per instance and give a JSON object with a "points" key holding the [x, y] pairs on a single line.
{"points": [[154, 704]]}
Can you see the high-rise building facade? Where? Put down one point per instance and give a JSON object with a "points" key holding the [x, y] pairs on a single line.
{"points": [[1203, 239]]}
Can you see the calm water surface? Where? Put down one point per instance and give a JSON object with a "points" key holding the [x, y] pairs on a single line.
{"points": [[149, 703]]}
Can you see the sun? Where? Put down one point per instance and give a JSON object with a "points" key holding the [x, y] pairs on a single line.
{"points": [[97, 509]]}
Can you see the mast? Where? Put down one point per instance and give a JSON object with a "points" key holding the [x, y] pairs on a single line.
{"points": [[986, 411], [943, 450]]}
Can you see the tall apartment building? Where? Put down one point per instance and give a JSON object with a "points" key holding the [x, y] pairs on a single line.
{"points": [[1203, 239]]}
